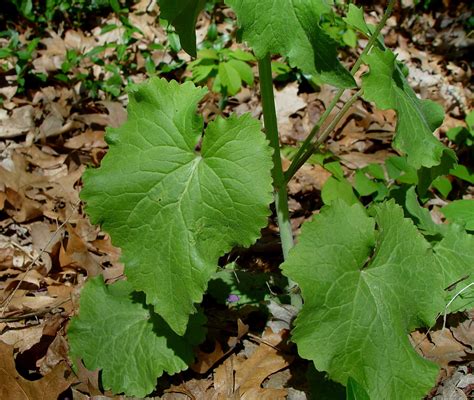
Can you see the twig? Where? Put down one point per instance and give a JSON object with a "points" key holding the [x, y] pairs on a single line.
{"points": [[39, 313]]}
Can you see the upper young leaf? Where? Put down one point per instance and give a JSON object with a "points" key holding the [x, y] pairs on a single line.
{"points": [[291, 28], [116, 332], [182, 14], [364, 290], [386, 85], [172, 209], [355, 18]]}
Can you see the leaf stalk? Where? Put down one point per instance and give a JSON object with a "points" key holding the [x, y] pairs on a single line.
{"points": [[271, 131], [308, 147]]}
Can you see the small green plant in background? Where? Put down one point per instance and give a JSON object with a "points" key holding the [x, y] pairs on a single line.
{"points": [[229, 69], [463, 136], [176, 197], [18, 56], [48, 12]]}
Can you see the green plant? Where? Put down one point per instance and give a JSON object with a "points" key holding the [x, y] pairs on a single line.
{"points": [[463, 136], [45, 12], [17, 56], [228, 68], [176, 199], [77, 66]]}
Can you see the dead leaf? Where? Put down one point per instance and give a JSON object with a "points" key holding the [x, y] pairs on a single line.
{"points": [[287, 102], [117, 113], [57, 353], [20, 122], [241, 378], [24, 338], [441, 347], [464, 332], [307, 179], [76, 254], [193, 389], [356, 160], [14, 387], [205, 360]]}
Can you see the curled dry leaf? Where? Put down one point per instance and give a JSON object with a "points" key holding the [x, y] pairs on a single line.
{"points": [[23, 339], [193, 389], [77, 254], [241, 378], [205, 360], [14, 386], [441, 347]]}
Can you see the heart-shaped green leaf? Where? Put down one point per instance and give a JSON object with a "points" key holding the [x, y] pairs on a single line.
{"points": [[291, 28], [175, 209], [364, 290], [119, 334]]}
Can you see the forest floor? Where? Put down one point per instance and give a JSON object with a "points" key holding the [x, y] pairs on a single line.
{"points": [[56, 103]]}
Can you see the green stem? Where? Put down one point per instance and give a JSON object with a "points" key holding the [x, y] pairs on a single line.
{"points": [[322, 138], [374, 36], [271, 130], [308, 147], [307, 144]]}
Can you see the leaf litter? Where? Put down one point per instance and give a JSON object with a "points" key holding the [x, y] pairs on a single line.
{"points": [[48, 247]]}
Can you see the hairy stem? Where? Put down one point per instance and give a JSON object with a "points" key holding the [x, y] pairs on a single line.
{"points": [[271, 130], [307, 147]]}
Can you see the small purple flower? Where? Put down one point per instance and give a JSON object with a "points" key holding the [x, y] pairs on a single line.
{"points": [[233, 298]]}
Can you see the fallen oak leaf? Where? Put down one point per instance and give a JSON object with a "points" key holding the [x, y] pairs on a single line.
{"points": [[239, 378], [205, 360], [440, 347], [14, 387]]}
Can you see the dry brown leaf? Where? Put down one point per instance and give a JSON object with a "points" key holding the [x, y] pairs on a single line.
{"points": [[87, 140], [52, 125], [308, 178], [14, 387], [287, 102], [78, 41], [8, 92], [89, 380], [20, 122], [117, 113], [22, 304], [356, 160], [241, 378], [441, 347], [205, 360], [464, 332], [47, 159], [24, 338], [57, 353], [96, 119], [193, 389], [77, 254]]}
